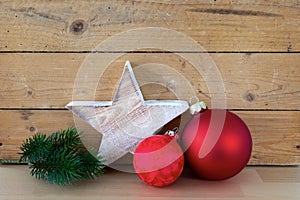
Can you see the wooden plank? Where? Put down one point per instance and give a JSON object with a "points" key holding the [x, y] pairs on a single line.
{"points": [[18, 125], [276, 134], [217, 25], [251, 81], [17, 184]]}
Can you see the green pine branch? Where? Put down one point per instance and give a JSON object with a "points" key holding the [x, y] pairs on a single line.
{"points": [[60, 158]]}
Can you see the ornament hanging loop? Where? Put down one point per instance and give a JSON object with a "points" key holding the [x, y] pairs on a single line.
{"points": [[172, 133], [193, 100], [197, 107]]}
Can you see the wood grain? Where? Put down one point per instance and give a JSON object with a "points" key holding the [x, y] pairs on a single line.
{"points": [[23, 123], [276, 134], [250, 184], [229, 26], [252, 81]]}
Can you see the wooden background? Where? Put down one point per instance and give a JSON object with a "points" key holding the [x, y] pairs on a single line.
{"points": [[255, 44]]}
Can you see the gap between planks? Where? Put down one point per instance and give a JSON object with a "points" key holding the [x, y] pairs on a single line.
{"points": [[141, 51]]}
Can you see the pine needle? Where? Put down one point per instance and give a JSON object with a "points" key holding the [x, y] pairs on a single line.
{"points": [[60, 158]]}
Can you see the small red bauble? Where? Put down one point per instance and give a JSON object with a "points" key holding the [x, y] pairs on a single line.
{"points": [[218, 144], [158, 160]]}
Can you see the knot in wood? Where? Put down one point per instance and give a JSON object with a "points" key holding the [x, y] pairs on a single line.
{"points": [[250, 97], [78, 27]]}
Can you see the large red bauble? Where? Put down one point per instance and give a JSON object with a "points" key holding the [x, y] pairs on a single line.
{"points": [[158, 160], [227, 149]]}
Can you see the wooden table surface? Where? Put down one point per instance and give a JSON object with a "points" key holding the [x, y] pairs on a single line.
{"points": [[252, 183]]}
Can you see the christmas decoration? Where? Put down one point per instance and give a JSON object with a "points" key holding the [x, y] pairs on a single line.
{"points": [[128, 118], [231, 147], [158, 160], [60, 158], [197, 107]]}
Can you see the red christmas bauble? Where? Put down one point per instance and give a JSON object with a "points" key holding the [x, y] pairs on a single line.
{"points": [[158, 160], [218, 144]]}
